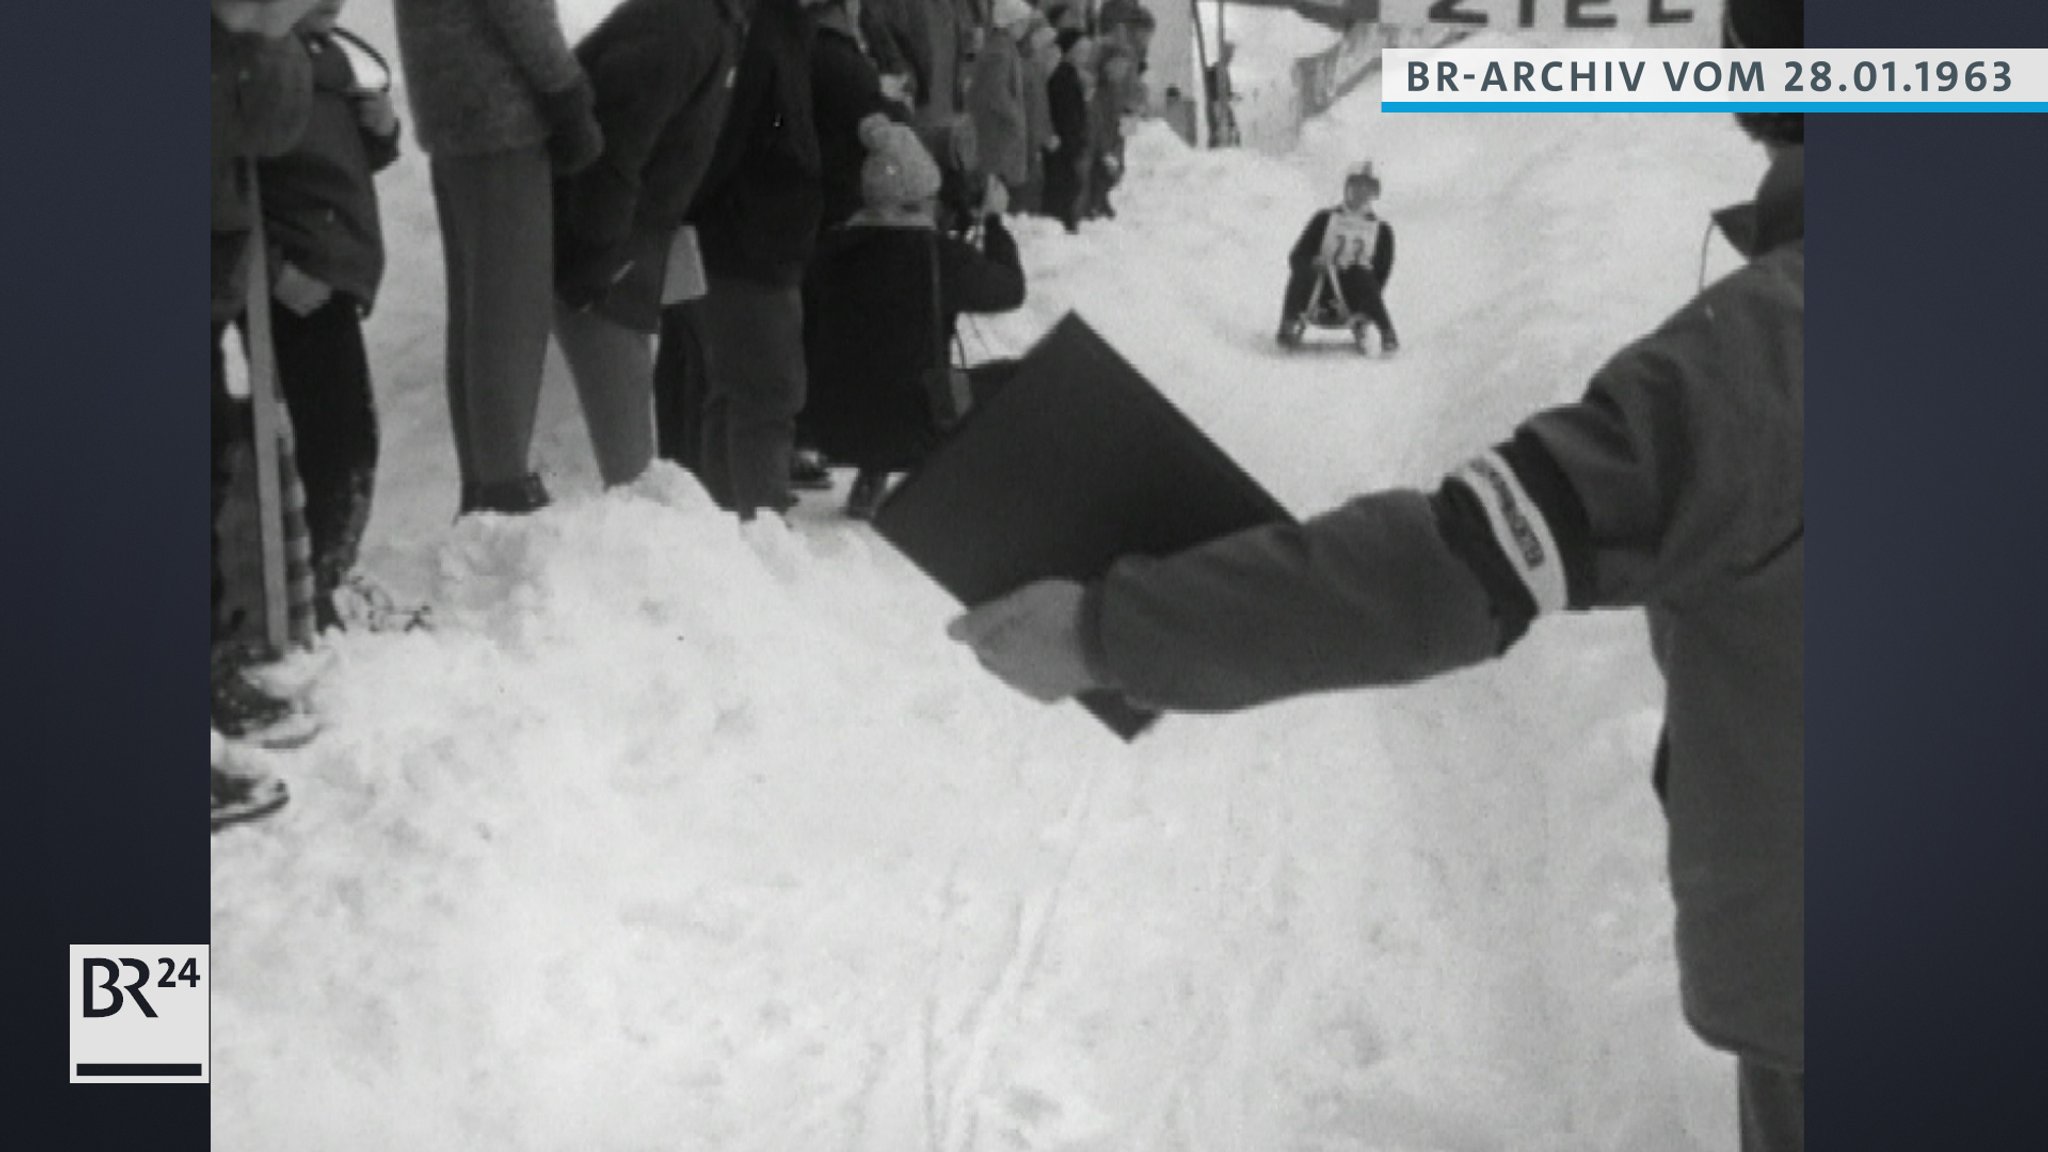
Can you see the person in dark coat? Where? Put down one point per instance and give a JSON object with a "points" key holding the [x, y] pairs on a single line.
{"points": [[1067, 164], [661, 72], [327, 259], [881, 323], [730, 370], [1352, 239], [846, 88]]}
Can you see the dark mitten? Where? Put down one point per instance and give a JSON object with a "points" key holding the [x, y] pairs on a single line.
{"points": [[574, 139], [582, 279]]}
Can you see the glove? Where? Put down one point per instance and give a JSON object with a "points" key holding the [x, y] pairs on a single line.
{"points": [[582, 281], [574, 139]]}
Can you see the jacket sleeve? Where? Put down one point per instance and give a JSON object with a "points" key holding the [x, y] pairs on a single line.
{"points": [[1310, 243], [531, 33], [988, 281], [1366, 594], [1680, 470], [640, 86], [1383, 254], [382, 151]]}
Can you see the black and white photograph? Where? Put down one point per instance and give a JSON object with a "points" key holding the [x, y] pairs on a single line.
{"points": [[999, 576]]}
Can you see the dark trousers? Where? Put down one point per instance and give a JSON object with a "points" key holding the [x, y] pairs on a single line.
{"points": [[1361, 291], [323, 376], [754, 353], [1773, 1107], [497, 245], [680, 382]]}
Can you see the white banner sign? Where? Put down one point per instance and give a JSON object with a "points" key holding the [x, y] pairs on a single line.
{"points": [[1549, 15], [1703, 80]]}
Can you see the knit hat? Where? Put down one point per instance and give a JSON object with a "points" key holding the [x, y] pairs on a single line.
{"points": [[898, 170], [1004, 13], [1363, 172]]}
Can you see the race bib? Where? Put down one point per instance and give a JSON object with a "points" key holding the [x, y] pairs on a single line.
{"points": [[1349, 240]]}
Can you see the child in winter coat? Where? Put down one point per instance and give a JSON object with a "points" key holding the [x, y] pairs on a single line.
{"points": [[1069, 160], [881, 321], [1351, 241], [327, 257], [661, 71], [261, 98], [500, 106]]}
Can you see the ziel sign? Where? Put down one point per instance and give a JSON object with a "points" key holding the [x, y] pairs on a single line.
{"points": [[1587, 15]]}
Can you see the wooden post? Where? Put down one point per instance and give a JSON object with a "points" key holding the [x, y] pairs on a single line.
{"points": [[269, 422]]}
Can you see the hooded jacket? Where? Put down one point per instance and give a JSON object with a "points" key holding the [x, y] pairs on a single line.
{"points": [[1676, 484]]}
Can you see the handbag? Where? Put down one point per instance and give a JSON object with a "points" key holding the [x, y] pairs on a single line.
{"points": [[946, 387]]}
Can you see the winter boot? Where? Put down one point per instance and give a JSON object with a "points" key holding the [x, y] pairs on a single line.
{"points": [[505, 497], [243, 711], [241, 791], [807, 471], [1290, 333], [869, 487]]}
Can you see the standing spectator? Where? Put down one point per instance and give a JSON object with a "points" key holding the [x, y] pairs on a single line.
{"points": [[846, 88], [1041, 55], [882, 322], [500, 106], [1115, 68], [659, 69], [261, 97], [1068, 161], [995, 96], [1675, 484], [757, 221], [327, 251]]}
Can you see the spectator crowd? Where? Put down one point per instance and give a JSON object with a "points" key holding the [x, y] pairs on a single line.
{"points": [[751, 227]]}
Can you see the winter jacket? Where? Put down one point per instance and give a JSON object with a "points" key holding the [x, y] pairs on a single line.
{"points": [[262, 94], [870, 338], [319, 201], [1066, 167], [475, 69], [995, 98], [1309, 248], [1675, 484], [662, 73], [757, 210], [845, 89]]}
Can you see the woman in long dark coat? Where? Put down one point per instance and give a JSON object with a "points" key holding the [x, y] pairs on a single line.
{"points": [[1067, 166], [880, 326]]}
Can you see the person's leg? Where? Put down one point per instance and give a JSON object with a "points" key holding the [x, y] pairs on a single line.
{"points": [[757, 388], [1362, 292], [679, 386], [324, 375], [1773, 1105], [455, 242], [504, 204], [1294, 302], [614, 373]]}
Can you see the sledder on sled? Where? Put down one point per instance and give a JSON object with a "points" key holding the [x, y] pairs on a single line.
{"points": [[1339, 269]]}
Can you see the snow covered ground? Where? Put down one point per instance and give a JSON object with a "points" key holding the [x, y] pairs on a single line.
{"points": [[671, 837]]}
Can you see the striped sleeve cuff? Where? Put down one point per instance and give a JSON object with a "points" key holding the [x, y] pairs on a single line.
{"points": [[1514, 518]]}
